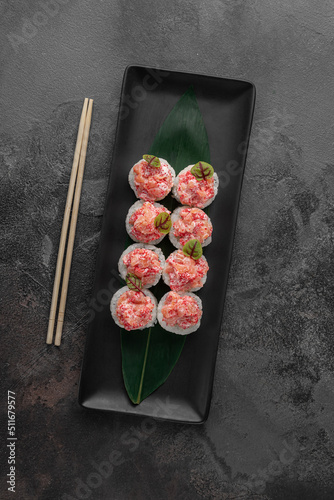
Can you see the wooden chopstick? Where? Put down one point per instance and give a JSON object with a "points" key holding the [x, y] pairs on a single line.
{"points": [[75, 211], [67, 212]]}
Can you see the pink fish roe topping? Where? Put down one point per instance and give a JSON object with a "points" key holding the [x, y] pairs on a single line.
{"points": [[144, 263], [134, 310], [142, 222], [152, 183], [185, 273], [193, 223], [183, 312], [193, 192]]}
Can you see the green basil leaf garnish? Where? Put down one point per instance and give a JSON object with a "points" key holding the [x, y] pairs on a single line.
{"points": [[163, 222], [153, 161], [193, 249], [133, 282], [202, 170]]}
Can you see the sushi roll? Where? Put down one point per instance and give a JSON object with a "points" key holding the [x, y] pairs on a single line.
{"points": [[144, 261], [196, 185], [133, 309], [148, 222], [151, 178], [180, 313], [189, 223], [182, 273]]}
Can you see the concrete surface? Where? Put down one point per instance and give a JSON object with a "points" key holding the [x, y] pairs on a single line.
{"points": [[270, 433]]}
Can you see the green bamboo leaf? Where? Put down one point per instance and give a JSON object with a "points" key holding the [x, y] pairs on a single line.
{"points": [[153, 161], [183, 138], [193, 249], [202, 170], [163, 222], [149, 356]]}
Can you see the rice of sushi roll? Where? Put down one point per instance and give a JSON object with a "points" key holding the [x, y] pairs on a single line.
{"points": [[144, 261], [151, 183], [180, 313], [184, 274], [133, 310], [140, 222], [189, 223], [188, 190]]}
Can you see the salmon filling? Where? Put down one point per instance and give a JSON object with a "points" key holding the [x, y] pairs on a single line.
{"points": [[145, 264], [152, 183], [185, 273], [142, 221], [192, 224], [193, 192], [134, 310], [183, 312]]}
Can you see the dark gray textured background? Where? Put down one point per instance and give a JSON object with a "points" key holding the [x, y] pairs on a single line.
{"points": [[270, 431]]}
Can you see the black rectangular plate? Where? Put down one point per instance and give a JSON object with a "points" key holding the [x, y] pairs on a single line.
{"points": [[148, 95]]}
